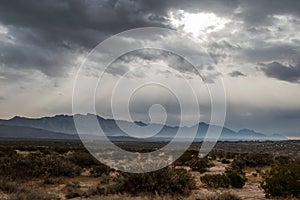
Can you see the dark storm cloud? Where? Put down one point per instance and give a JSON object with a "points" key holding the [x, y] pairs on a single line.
{"points": [[52, 62], [261, 12], [84, 23], [236, 74], [47, 34], [279, 71], [269, 51]]}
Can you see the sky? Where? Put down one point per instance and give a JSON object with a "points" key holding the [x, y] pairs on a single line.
{"points": [[255, 46]]}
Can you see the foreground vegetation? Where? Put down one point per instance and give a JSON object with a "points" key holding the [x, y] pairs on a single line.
{"points": [[66, 170]]}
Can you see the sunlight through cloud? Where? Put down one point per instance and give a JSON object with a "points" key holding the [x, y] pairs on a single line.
{"points": [[197, 23]]}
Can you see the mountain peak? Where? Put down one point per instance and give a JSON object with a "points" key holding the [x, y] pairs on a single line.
{"points": [[246, 130], [16, 118]]}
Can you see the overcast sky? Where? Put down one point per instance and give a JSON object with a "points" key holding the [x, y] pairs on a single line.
{"points": [[255, 45]]}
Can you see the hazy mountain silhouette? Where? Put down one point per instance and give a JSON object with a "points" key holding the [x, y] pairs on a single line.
{"points": [[63, 127]]}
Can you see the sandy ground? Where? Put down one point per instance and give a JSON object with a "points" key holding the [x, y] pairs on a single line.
{"points": [[250, 191]]}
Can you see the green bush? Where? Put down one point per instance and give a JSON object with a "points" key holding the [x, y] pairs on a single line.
{"points": [[164, 181], [216, 180], [282, 181], [237, 177]]}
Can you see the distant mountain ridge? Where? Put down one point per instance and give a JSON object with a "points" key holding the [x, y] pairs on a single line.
{"points": [[63, 127], [33, 133]]}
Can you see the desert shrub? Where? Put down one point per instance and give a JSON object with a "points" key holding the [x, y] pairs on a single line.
{"points": [[252, 160], [283, 159], [105, 179], [199, 164], [100, 170], [217, 154], [19, 166], [27, 148], [33, 195], [237, 177], [23, 193], [223, 196], [36, 165], [216, 180], [73, 190], [186, 157], [282, 181], [48, 180], [58, 166], [164, 181], [225, 161], [100, 190], [8, 186], [230, 155], [60, 150], [47, 151], [83, 159], [7, 151]]}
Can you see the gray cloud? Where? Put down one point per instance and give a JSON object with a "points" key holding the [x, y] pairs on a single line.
{"points": [[279, 71], [236, 74], [50, 61], [152, 56], [48, 34], [47, 37]]}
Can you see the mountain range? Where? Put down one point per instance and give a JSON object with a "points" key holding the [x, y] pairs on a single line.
{"points": [[63, 127]]}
